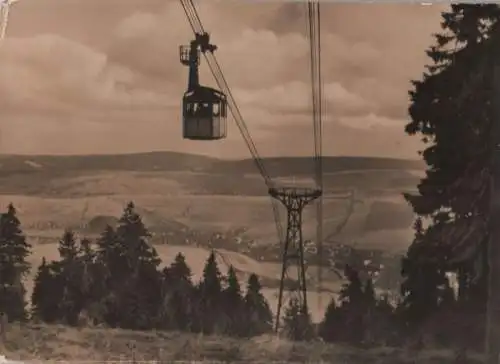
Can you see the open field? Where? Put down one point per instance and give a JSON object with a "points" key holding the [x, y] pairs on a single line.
{"points": [[57, 343], [375, 223]]}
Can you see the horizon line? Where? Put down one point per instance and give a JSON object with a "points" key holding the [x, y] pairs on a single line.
{"points": [[198, 155]]}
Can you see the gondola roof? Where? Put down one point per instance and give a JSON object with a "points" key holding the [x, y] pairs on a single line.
{"points": [[204, 92]]}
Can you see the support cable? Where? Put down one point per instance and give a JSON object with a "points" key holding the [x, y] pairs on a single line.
{"points": [[216, 71], [314, 32]]}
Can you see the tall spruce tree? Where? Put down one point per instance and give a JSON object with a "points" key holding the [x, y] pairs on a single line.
{"points": [[110, 267], [87, 257], [179, 271], [134, 237], [233, 304], [258, 316], [109, 252], [452, 109], [47, 294], [209, 302], [68, 247], [14, 251], [178, 296], [139, 294], [71, 273], [92, 281]]}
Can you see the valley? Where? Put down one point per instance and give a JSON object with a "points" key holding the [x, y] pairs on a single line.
{"points": [[192, 204]]}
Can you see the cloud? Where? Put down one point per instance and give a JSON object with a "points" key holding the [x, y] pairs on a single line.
{"points": [[256, 59], [49, 73], [265, 69], [125, 72], [371, 121], [340, 139], [149, 43], [295, 98]]}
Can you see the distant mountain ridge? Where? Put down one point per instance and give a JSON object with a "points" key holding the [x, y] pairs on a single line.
{"points": [[174, 161], [188, 199]]}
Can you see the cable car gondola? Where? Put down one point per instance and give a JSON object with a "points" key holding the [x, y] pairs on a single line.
{"points": [[204, 109]]}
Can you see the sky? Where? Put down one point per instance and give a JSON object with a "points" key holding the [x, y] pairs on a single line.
{"points": [[103, 76]]}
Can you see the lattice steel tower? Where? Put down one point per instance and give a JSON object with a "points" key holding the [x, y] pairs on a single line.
{"points": [[294, 199]]}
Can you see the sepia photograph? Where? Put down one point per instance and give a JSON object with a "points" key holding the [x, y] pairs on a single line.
{"points": [[249, 181]]}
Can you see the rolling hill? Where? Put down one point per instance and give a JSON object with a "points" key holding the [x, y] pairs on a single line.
{"points": [[173, 161], [197, 202], [177, 192]]}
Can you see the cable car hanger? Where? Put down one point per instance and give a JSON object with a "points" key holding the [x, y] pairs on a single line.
{"points": [[204, 109]]}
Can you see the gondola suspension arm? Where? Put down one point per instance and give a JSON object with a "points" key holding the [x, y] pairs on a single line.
{"points": [[216, 71]]}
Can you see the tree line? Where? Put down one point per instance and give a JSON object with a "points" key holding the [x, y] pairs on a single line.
{"points": [[118, 281]]}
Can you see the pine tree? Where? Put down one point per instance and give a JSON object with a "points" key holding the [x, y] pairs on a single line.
{"points": [[71, 272], [68, 247], [212, 277], [109, 270], [92, 282], [134, 238], [13, 265], [47, 294], [180, 271], [210, 296], [452, 109], [139, 295], [178, 296], [233, 304], [109, 251], [258, 315]]}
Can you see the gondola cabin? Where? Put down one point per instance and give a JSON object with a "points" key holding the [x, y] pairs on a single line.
{"points": [[204, 113]]}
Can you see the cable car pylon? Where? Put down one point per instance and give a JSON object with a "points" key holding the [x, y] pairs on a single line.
{"points": [[294, 199]]}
